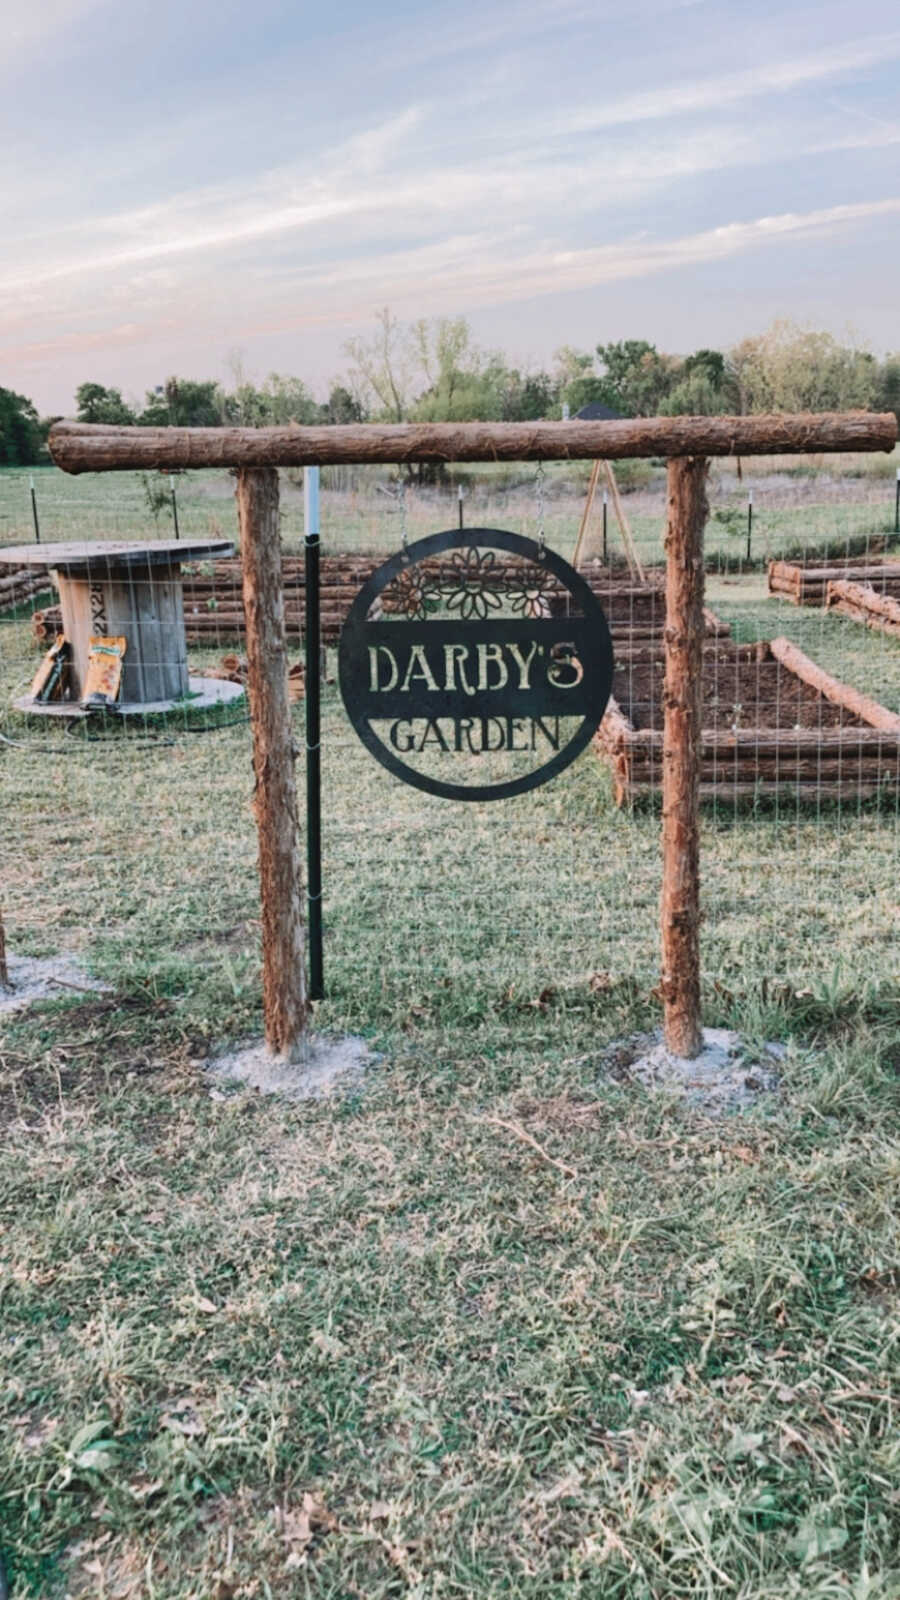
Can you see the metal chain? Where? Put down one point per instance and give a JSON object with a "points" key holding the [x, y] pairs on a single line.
{"points": [[539, 490], [401, 490]]}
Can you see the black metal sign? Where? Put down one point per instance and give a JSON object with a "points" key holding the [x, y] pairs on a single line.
{"points": [[475, 664]]}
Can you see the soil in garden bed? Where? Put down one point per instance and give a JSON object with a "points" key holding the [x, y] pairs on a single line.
{"points": [[737, 692]]}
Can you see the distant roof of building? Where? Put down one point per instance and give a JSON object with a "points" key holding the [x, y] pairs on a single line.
{"points": [[597, 412]]}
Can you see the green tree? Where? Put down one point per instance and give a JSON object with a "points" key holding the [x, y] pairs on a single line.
{"points": [[466, 392], [577, 384], [98, 404], [185, 403], [886, 396], [287, 400], [695, 395], [342, 406], [21, 434], [635, 377], [527, 397], [383, 368], [278, 401], [789, 368], [707, 386]]}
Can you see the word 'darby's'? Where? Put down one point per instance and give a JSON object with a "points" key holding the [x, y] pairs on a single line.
{"points": [[472, 668]]}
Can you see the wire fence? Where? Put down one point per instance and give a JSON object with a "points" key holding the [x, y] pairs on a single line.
{"points": [[129, 839]]}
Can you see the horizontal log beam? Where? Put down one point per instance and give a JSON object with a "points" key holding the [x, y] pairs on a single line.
{"points": [[819, 576], [812, 791], [865, 598], [886, 770], [751, 743], [85, 447]]}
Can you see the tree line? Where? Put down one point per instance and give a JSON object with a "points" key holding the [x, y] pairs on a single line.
{"points": [[430, 371]]}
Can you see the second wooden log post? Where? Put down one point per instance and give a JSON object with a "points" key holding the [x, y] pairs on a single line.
{"points": [[285, 995], [682, 699]]}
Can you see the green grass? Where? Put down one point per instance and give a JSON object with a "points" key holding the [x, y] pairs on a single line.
{"points": [[868, 660], [517, 1327], [837, 510]]}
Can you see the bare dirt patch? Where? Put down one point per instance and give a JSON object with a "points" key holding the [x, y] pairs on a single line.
{"points": [[736, 694], [325, 1064], [720, 1079], [33, 979]]}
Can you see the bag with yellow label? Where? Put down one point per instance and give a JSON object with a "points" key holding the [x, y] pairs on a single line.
{"points": [[104, 674]]}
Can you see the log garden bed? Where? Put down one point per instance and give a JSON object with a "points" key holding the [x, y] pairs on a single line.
{"points": [[214, 607], [806, 582], [18, 585], [865, 604], [636, 612], [773, 721]]}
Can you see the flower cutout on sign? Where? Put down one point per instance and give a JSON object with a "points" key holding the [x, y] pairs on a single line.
{"points": [[529, 592], [410, 593], [473, 583]]}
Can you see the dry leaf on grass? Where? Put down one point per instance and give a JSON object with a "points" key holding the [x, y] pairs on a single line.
{"points": [[326, 1344], [145, 1488], [39, 1433], [183, 1416], [299, 1525], [544, 1000]]}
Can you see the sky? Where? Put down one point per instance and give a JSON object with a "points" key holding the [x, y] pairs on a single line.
{"points": [[189, 184]]}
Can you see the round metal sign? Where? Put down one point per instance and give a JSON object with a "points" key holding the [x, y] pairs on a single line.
{"points": [[475, 664]]}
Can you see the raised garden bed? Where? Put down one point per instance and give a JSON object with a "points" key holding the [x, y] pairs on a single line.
{"points": [[214, 605], [865, 604], [806, 582], [636, 612], [772, 721], [214, 608], [18, 585]]}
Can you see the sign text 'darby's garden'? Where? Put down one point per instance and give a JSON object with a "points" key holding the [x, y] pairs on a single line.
{"points": [[475, 664]]}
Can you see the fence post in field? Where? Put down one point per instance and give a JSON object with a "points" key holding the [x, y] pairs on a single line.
{"points": [[4, 970], [285, 998], [680, 906]]}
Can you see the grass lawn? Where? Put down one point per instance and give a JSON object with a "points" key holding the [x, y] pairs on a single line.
{"points": [[493, 1321], [835, 504]]}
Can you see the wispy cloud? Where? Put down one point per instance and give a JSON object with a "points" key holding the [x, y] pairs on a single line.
{"points": [[485, 268], [362, 193], [531, 149], [717, 92], [25, 28]]}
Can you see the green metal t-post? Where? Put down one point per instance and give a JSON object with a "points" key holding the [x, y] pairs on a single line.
{"points": [[37, 526], [313, 733]]}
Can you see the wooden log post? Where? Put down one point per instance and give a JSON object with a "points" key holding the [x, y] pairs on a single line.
{"points": [[680, 901], [4, 969], [285, 998]]}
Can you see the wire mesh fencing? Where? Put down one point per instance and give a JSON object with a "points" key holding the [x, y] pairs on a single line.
{"points": [[129, 839]]}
